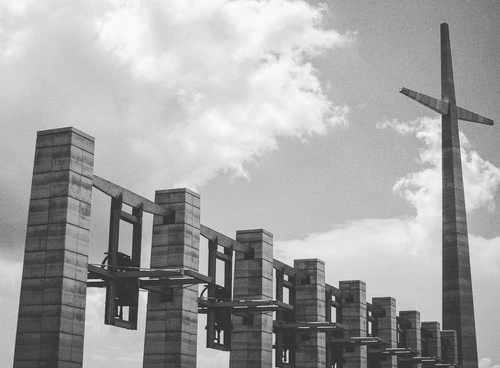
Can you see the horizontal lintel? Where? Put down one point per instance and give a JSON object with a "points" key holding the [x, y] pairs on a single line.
{"points": [[130, 198], [224, 240]]}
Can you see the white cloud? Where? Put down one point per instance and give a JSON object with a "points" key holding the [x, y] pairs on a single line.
{"points": [[387, 251], [178, 90], [173, 91], [486, 363]]}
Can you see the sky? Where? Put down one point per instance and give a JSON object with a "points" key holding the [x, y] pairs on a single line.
{"points": [[283, 115]]}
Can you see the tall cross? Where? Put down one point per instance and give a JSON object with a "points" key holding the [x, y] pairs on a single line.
{"points": [[458, 305]]}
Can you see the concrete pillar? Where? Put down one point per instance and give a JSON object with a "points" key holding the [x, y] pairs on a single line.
{"points": [[51, 317], [449, 342], [432, 334], [413, 336], [251, 340], [387, 327], [171, 322], [354, 316], [310, 307]]}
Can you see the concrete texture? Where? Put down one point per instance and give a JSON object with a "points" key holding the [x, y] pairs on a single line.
{"points": [[387, 327], [354, 316], [310, 307], [458, 305], [53, 290], [449, 352], [431, 346], [413, 339], [251, 341], [171, 325]]}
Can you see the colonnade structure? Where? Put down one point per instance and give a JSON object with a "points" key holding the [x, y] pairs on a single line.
{"points": [[261, 310], [256, 306]]}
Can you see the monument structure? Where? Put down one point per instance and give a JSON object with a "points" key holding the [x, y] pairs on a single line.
{"points": [[458, 305], [309, 324]]}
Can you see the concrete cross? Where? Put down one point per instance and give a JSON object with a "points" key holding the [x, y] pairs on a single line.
{"points": [[458, 305]]}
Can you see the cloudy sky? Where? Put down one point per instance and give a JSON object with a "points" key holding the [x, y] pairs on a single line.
{"points": [[283, 115]]}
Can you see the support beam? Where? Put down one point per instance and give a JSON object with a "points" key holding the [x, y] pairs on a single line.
{"points": [[130, 198]]}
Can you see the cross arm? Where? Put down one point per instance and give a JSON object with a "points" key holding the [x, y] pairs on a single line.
{"points": [[467, 115], [439, 106], [442, 107]]}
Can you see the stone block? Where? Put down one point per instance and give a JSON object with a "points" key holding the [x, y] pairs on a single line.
{"points": [[32, 292], [40, 185], [27, 346], [36, 238], [34, 265], [78, 321], [61, 158], [62, 236], [38, 212], [81, 267], [77, 350], [43, 160], [44, 141], [87, 164], [49, 340], [30, 318]]}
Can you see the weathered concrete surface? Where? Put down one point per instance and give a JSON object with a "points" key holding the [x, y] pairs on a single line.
{"points": [[449, 350], [387, 327], [53, 290], [171, 326], [432, 336], [458, 304], [310, 307], [252, 337], [354, 316], [413, 339]]}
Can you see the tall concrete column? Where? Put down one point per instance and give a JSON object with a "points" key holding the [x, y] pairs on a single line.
{"points": [[54, 285], [413, 339], [387, 327], [458, 303], [310, 307], [354, 316], [251, 340], [171, 323], [431, 331], [449, 351]]}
